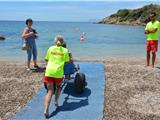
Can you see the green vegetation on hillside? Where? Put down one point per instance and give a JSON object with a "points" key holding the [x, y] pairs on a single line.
{"points": [[135, 16]]}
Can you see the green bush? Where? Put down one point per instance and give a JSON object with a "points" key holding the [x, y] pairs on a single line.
{"points": [[141, 13]]}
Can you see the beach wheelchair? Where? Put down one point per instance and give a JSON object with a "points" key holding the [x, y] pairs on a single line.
{"points": [[72, 73], [76, 77]]}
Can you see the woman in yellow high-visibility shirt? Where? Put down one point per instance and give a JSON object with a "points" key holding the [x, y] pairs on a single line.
{"points": [[56, 57]]}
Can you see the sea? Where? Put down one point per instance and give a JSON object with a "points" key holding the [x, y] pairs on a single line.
{"points": [[100, 40]]}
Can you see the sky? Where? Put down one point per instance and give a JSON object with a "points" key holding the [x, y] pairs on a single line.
{"points": [[80, 0], [63, 10]]}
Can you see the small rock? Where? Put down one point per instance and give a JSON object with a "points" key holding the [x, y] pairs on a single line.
{"points": [[2, 37]]}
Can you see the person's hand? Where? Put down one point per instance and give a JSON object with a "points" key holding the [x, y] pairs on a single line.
{"points": [[146, 32], [150, 31], [31, 33], [154, 30]]}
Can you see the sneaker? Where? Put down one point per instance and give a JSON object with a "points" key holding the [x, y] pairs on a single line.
{"points": [[36, 66], [28, 69], [46, 115], [56, 105]]}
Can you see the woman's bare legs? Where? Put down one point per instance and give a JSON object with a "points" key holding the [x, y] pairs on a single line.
{"points": [[48, 98]]}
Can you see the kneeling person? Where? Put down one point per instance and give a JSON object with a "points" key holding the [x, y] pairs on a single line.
{"points": [[69, 67]]}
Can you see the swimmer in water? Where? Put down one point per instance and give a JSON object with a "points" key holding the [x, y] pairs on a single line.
{"points": [[82, 39]]}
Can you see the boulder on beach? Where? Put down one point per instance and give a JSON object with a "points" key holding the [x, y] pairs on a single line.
{"points": [[2, 37]]}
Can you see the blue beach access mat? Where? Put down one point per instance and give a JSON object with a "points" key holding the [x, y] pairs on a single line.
{"points": [[72, 106]]}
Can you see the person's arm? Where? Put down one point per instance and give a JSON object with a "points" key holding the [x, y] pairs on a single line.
{"points": [[47, 56], [70, 56], [66, 57], [146, 30], [35, 33], [150, 31], [27, 34]]}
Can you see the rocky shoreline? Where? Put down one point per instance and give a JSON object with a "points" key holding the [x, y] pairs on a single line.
{"points": [[138, 16], [117, 21]]}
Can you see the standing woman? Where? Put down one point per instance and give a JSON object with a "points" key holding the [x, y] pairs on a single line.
{"points": [[30, 34], [56, 57]]}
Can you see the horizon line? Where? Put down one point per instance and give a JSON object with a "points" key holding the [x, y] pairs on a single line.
{"points": [[44, 21]]}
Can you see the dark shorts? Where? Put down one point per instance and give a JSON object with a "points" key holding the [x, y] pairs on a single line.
{"points": [[152, 45]]}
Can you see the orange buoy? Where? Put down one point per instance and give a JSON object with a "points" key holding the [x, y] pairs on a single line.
{"points": [[82, 39]]}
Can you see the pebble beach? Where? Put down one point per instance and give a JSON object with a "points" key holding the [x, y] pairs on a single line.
{"points": [[131, 91]]}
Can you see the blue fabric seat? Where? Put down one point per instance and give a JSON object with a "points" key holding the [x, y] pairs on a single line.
{"points": [[69, 68]]}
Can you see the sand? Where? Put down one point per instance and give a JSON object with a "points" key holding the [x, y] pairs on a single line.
{"points": [[132, 91]]}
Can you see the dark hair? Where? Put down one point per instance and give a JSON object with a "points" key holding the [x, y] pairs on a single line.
{"points": [[64, 45], [153, 13], [29, 20]]}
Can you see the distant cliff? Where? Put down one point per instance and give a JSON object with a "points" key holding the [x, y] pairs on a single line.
{"points": [[138, 16]]}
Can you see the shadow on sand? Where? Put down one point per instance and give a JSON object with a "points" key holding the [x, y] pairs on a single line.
{"points": [[158, 67], [78, 100], [40, 69]]}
